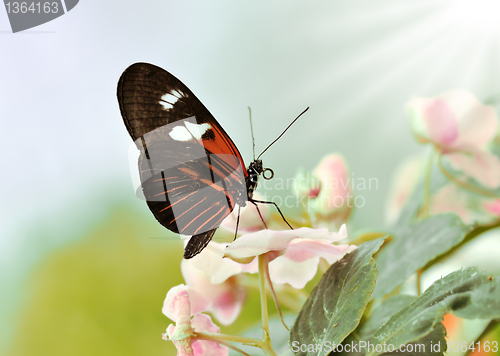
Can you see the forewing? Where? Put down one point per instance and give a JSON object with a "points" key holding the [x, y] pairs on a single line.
{"points": [[151, 98]]}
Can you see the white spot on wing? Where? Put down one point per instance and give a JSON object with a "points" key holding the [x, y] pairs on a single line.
{"points": [[169, 99], [177, 94], [197, 130], [180, 133]]}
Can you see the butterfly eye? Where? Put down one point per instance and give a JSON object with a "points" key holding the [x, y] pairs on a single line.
{"points": [[271, 173]]}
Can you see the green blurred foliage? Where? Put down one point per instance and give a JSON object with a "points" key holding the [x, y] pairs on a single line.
{"points": [[102, 295]]}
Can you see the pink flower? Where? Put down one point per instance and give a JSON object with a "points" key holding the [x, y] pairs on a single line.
{"points": [[470, 207], [182, 296], [493, 207], [449, 198], [461, 128], [293, 255], [182, 303], [334, 191], [327, 192], [218, 279], [306, 184], [329, 185], [249, 217], [404, 182]]}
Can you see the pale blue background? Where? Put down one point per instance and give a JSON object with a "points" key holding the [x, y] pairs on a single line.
{"points": [[355, 63]]}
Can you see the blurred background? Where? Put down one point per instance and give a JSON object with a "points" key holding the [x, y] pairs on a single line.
{"points": [[84, 266]]}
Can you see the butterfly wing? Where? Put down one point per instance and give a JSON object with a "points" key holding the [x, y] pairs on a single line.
{"points": [[191, 172]]}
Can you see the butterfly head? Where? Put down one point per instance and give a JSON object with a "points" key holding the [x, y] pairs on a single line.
{"points": [[255, 168]]}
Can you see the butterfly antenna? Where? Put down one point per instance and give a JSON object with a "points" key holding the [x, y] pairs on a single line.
{"points": [[272, 143], [251, 130]]}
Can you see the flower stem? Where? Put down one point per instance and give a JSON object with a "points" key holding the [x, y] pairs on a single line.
{"points": [[263, 295], [273, 294], [427, 186], [419, 281], [224, 337], [266, 345], [288, 296], [268, 349]]}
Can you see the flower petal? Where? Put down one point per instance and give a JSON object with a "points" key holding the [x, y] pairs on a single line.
{"points": [[226, 298], [301, 250], [258, 243], [453, 120], [203, 323], [297, 274], [442, 124], [183, 300], [300, 262], [334, 190], [249, 217], [477, 123], [451, 198], [226, 307], [470, 207], [305, 184], [481, 165], [404, 182], [211, 262], [493, 207]]}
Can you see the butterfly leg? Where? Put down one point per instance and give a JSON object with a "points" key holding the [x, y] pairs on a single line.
{"points": [[237, 223], [257, 207], [277, 207]]}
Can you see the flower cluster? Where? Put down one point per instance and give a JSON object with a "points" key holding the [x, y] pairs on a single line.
{"points": [[215, 279], [460, 131]]}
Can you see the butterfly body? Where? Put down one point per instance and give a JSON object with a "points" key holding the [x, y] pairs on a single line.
{"points": [[254, 171], [192, 174]]}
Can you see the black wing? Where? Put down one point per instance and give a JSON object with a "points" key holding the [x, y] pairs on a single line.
{"points": [[191, 172]]}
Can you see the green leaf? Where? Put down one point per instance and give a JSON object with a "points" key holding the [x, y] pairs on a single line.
{"points": [[337, 303], [484, 302], [379, 317], [433, 344], [383, 313], [414, 247], [461, 293]]}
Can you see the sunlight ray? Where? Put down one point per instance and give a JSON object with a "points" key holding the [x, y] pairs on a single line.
{"points": [[370, 91], [428, 84], [374, 15], [475, 72], [396, 45]]}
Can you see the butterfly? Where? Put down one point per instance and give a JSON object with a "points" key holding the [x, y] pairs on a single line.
{"points": [[192, 174]]}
